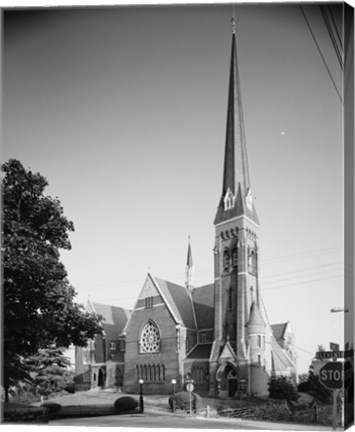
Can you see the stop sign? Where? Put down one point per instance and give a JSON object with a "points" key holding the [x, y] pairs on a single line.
{"points": [[331, 375]]}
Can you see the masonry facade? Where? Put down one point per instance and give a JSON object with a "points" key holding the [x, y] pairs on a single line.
{"points": [[218, 335]]}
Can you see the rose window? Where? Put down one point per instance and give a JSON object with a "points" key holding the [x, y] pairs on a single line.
{"points": [[150, 339]]}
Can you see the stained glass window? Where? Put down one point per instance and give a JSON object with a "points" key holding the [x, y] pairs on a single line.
{"points": [[150, 338]]}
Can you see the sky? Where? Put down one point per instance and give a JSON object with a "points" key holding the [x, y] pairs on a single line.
{"points": [[123, 110]]}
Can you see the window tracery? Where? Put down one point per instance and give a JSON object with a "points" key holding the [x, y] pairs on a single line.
{"points": [[150, 339]]}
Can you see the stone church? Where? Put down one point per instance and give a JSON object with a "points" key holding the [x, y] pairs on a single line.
{"points": [[219, 335]]}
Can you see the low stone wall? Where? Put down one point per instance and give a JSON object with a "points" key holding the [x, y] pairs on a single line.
{"points": [[281, 412]]}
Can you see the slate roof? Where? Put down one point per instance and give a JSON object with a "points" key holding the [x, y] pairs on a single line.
{"points": [[279, 330], [255, 318], [240, 208], [203, 299], [202, 351], [114, 318], [280, 360], [236, 170], [179, 301]]}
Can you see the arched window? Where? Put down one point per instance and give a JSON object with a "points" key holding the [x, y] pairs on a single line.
{"points": [[252, 262], [226, 259], [150, 339], [229, 200], [235, 257], [158, 373]]}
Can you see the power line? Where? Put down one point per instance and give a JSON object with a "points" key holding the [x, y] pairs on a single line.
{"points": [[302, 283], [335, 26], [300, 270], [331, 35], [320, 53]]}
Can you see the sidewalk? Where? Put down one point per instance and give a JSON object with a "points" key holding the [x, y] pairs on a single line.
{"points": [[265, 425], [240, 423]]}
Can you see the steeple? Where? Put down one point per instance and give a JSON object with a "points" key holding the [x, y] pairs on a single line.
{"points": [[236, 196], [189, 269]]}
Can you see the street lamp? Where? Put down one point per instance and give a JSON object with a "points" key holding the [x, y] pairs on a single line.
{"points": [[141, 403], [339, 309], [173, 382]]}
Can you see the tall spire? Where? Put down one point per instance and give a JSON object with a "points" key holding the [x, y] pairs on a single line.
{"points": [[236, 196], [189, 269]]}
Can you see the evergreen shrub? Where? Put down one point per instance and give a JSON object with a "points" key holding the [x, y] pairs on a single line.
{"points": [[182, 401], [125, 403], [52, 407]]}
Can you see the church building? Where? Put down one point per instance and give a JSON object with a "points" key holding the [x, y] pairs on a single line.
{"points": [[217, 335]]}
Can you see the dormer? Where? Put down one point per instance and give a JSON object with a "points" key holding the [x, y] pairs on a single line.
{"points": [[249, 199], [229, 200]]}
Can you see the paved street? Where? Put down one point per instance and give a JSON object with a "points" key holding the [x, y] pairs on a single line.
{"points": [[151, 420]]}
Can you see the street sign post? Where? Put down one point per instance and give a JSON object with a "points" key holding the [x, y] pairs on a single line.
{"points": [[322, 355], [331, 375], [190, 388], [334, 346]]}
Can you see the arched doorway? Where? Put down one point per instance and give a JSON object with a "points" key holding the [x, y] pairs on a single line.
{"points": [[118, 377], [101, 378], [227, 380], [232, 382]]}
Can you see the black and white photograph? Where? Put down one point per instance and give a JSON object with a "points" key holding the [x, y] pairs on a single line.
{"points": [[178, 216]]}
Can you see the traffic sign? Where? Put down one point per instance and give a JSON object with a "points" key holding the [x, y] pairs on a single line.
{"points": [[321, 355], [331, 375], [190, 387], [334, 346]]}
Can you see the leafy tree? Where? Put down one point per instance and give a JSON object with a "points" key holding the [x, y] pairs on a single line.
{"points": [[38, 302], [302, 377], [282, 388]]}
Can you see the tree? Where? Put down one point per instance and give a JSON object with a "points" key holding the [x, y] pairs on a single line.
{"points": [[282, 388], [49, 370], [38, 301], [314, 387]]}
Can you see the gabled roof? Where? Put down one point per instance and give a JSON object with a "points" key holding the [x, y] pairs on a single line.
{"points": [[202, 351], [281, 361], [279, 330], [203, 300], [114, 318], [179, 301]]}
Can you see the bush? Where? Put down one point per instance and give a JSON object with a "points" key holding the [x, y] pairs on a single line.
{"points": [[182, 401], [20, 413], [125, 403], [282, 388], [52, 407], [70, 388], [303, 387]]}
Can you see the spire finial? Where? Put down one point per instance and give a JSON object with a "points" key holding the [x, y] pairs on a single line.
{"points": [[189, 269], [233, 21]]}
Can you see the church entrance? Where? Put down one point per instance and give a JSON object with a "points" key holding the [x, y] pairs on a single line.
{"points": [[101, 378], [232, 382]]}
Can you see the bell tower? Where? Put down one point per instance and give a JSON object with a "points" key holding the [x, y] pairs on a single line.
{"points": [[236, 239]]}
